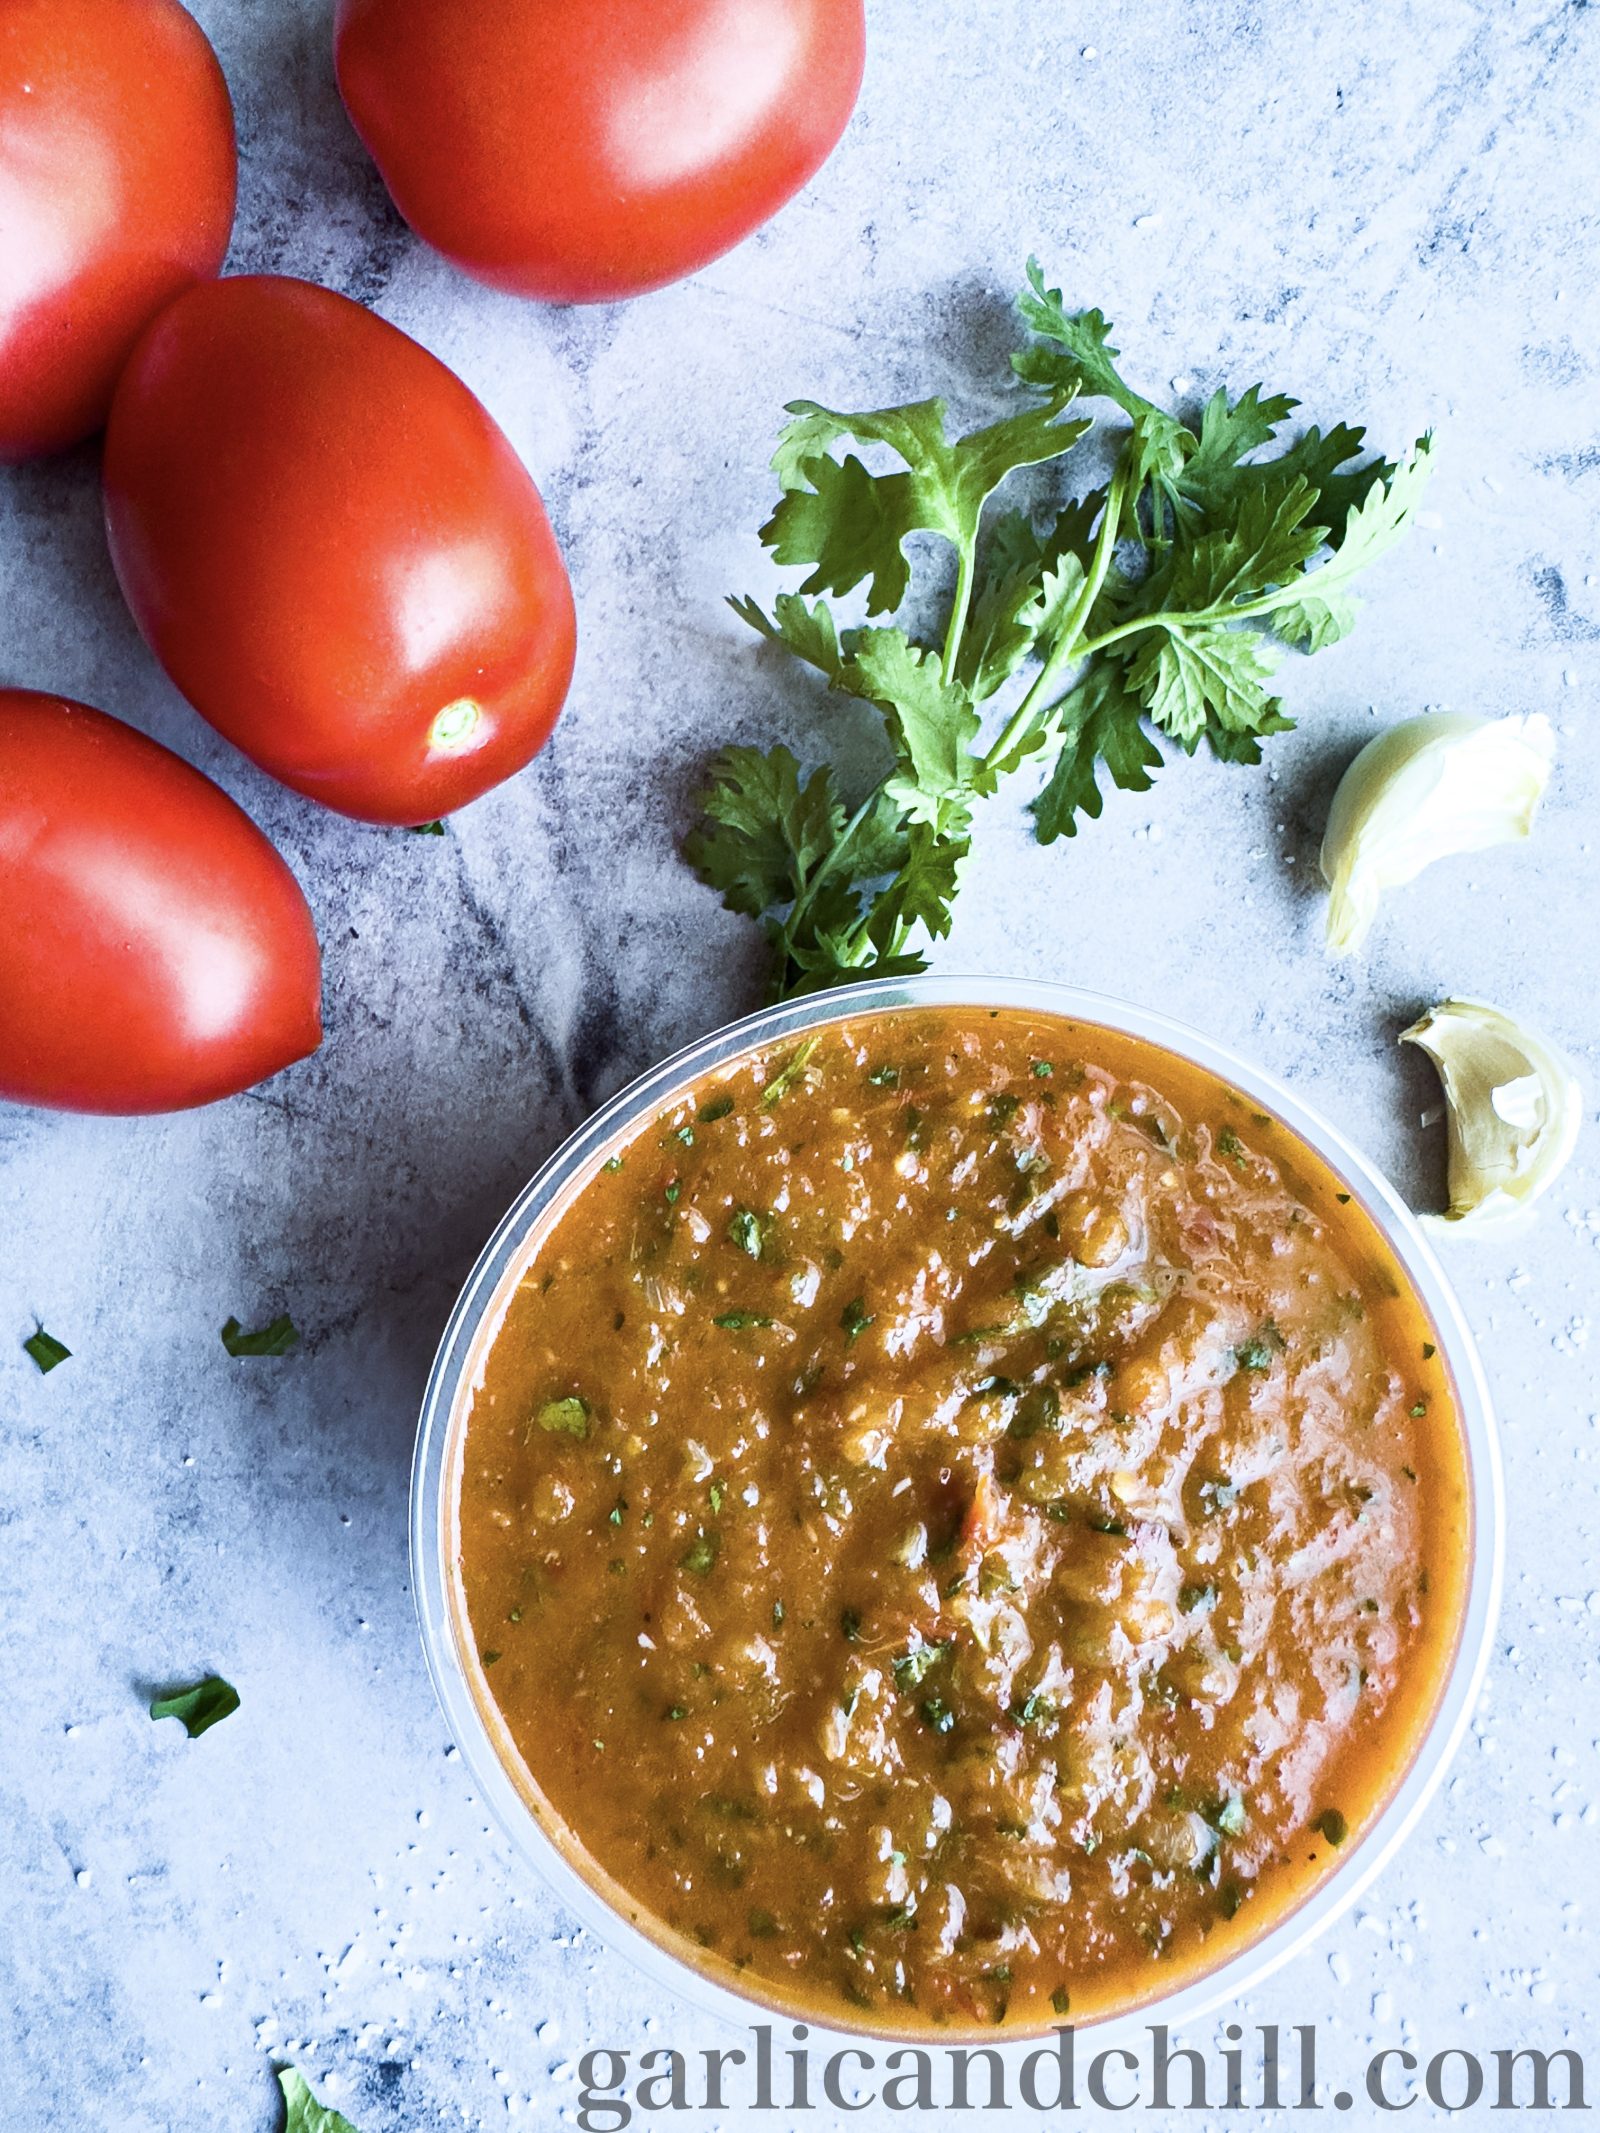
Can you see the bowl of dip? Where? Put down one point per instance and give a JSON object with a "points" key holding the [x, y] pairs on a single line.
{"points": [[955, 1505]]}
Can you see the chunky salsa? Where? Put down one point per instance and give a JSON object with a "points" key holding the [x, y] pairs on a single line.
{"points": [[961, 1519]]}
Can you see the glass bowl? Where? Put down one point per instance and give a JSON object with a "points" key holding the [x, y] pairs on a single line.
{"points": [[580, 1884]]}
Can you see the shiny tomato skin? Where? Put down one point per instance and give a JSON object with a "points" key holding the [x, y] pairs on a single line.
{"points": [[334, 551], [587, 150], [117, 181], [156, 952]]}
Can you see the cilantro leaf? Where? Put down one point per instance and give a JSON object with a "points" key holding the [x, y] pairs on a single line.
{"points": [[932, 724], [1189, 678], [1100, 724], [204, 1705], [303, 2113], [852, 525], [767, 830], [46, 1350], [276, 1338]]}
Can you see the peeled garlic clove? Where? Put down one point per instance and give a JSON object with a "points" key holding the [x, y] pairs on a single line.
{"points": [[1428, 787], [1513, 1111]]}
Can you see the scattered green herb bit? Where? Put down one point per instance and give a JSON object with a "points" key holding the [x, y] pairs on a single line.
{"points": [[427, 829], [1418, 1409], [46, 1350], [1197, 1599], [1038, 1413], [910, 1669], [850, 1626], [1061, 2000], [854, 1318], [685, 1134], [1332, 1825], [1368, 1607], [1229, 1898], [1002, 1109], [715, 1494], [1343, 1198], [745, 1231], [612, 1162], [274, 1339], [777, 1614], [1034, 1709], [305, 2114], [1230, 1145], [761, 1925], [1112, 1526], [937, 1714], [884, 1077], [1429, 1351], [1042, 1070], [701, 1554], [719, 1107], [671, 1192], [738, 1321], [200, 1707], [1155, 604], [1000, 1975], [568, 1417], [617, 1512], [794, 1067], [674, 1712], [489, 1658], [903, 1919], [1257, 1353], [1409, 1472], [1230, 1818]]}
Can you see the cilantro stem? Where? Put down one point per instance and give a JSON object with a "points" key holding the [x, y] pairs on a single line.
{"points": [[958, 613], [830, 859], [1067, 647]]}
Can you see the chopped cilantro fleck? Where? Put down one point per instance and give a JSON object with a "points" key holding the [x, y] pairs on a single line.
{"points": [[737, 1321], [1332, 1825], [701, 1554], [568, 1417], [203, 1705], [719, 1107], [276, 1338], [46, 1350], [855, 1318]]}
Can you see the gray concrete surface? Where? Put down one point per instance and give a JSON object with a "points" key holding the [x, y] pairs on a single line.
{"points": [[1388, 211]]}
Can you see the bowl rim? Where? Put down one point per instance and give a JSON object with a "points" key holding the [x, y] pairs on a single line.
{"points": [[432, 1494]]}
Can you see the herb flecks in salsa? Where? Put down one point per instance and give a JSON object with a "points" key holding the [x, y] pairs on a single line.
{"points": [[973, 1612]]}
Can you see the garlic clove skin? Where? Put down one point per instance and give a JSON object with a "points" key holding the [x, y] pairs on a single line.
{"points": [[1513, 1110], [1429, 787]]}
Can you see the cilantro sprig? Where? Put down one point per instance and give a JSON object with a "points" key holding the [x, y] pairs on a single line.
{"points": [[1078, 633]]}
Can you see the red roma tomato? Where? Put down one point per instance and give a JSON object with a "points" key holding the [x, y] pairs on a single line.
{"points": [[582, 150], [334, 552], [117, 176], [156, 951]]}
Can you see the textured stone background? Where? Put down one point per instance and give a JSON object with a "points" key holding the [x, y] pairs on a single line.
{"points": [[1389, 211]]}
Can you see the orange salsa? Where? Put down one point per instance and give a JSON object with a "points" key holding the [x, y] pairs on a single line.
{"points": [[961, 1519]]}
